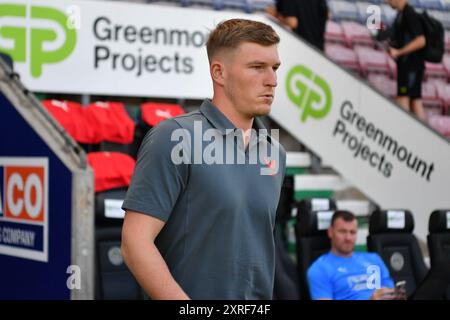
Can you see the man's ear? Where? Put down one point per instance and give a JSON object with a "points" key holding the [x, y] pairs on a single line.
{"points": [[217, 70], [329, 232]]}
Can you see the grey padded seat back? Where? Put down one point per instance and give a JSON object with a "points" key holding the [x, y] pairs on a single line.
{"points": [[390, 235]]}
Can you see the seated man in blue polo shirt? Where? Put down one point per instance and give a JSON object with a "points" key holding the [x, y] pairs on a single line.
{"points": [[342, 274]]}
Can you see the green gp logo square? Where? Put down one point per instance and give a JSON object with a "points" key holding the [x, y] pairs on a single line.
{"points": [[309, 92], [18, 34]]}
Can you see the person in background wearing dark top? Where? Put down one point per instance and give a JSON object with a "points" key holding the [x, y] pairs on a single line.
{"points": [[307, 18], [407, 48], [275, 11]]}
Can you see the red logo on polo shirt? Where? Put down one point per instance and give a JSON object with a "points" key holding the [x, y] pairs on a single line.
{"points": [[272, 165]]}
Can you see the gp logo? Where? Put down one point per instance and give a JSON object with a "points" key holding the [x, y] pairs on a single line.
{"points": [[23, 207], [309, 92], [19, 25]]}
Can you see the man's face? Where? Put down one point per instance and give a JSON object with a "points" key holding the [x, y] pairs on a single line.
{"points": [[343, 236], [250, 78]]}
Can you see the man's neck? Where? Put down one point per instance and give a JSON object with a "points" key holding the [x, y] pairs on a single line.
{"points": [[239, 120], [341, 254]]}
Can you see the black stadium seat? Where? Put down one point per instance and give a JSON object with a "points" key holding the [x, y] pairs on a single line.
{"points": [[390, 235], [439, 237], [439, 240], [112, 278], [313, 219], [107, 205], [286, 284], [112, 172], [285, 203]]}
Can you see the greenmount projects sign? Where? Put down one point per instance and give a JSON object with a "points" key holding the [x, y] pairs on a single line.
{"points": [[95, 47]]}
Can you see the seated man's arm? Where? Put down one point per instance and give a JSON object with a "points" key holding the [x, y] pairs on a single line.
{"points": [[143, 258], [386, 280], [386, 292], [383, 294]]}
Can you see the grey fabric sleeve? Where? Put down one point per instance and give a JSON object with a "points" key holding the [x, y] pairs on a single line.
{"points": [[157, 181]]}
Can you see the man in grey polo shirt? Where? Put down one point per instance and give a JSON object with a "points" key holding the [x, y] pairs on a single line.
{"points": [[200, 210]]}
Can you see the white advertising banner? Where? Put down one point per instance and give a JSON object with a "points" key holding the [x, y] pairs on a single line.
{"points": [[396, 160], [111, 48], [158, 51]]}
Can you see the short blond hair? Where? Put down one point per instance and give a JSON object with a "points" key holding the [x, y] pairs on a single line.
{"points": [[231, 33]]}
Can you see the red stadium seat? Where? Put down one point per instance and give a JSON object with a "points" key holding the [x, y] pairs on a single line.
{"points": [[334, 33], [355, 33], [435, 70], [343, 56], [153, 113], [446, 64], [440, 124], [72, 117], [372, 61], [432, 104], [385, 85], [443, 92], [111, 169], [447, 41], [343, 10], [112, 121]]}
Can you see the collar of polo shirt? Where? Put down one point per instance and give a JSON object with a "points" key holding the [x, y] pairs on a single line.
{"points": [[225, 126]]}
